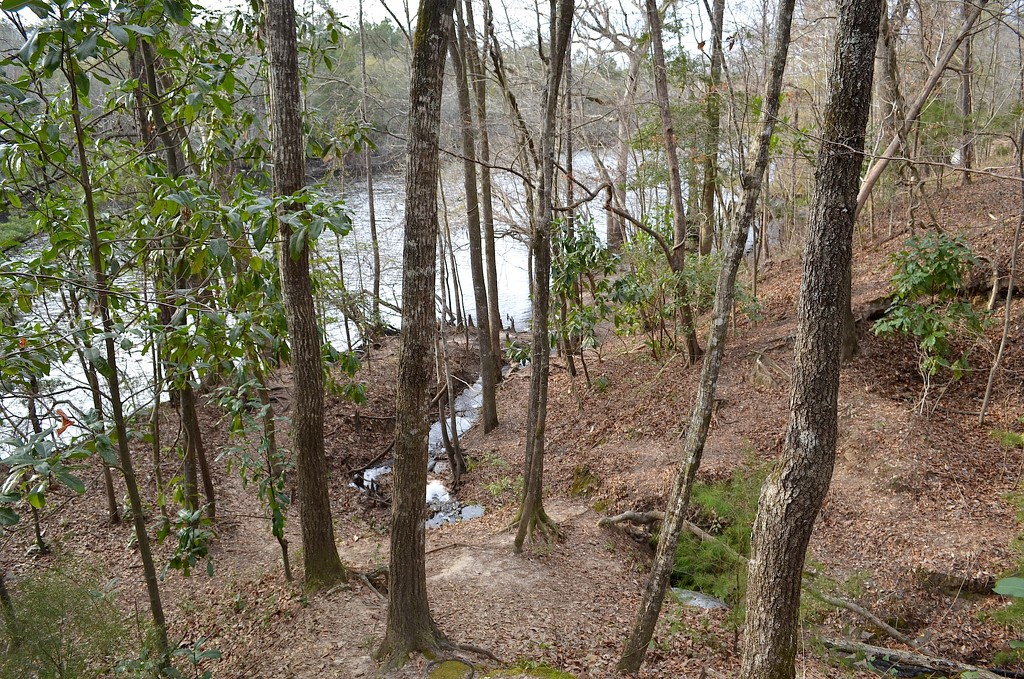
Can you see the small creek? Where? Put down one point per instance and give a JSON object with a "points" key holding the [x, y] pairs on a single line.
{"points": [[444, 508]]}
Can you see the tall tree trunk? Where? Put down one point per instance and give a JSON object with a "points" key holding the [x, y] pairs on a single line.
{"points": [[700, 418], [713, 113], [114, 379], [184, 396], [616, 225], [531, 512], [460, 49], [319, 551], [409, 626], [675, 183], [476, 72], [793, 493], [874, 173], [367, 165], [967, 101]]}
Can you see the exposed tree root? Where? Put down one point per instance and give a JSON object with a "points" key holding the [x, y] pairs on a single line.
{"points": [[540, 527]]}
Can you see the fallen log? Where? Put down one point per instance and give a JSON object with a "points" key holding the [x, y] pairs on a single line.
{"points": [[910, 658]]}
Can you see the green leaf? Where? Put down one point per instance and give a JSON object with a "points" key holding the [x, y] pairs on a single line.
{"points": [[140, 30], [219, 248], [297, 243], [82, 83], [8, 517], [70, 480], [87, 48], [176, 11], [29, 50], [1010, 587], [120, 34]]}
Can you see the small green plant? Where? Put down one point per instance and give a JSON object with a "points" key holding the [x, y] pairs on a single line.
{"points": [[65, 625], [929, 274]]}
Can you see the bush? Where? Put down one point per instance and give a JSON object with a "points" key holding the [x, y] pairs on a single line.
{"points": [[929, 275], [66, 625], [725, 509]]}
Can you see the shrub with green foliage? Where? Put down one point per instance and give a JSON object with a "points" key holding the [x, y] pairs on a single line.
{"points": [[929, 275], [725, 509], [66, 625]]}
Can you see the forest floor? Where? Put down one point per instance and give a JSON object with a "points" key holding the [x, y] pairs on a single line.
{"points": [[919, 520]]}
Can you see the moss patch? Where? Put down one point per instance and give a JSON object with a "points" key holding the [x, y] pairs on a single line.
{"points": [[451, 669]]}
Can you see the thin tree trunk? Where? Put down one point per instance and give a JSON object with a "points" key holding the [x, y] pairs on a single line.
{"points": [[37, 428], [793, 493], [319, 551], [1012, 274], [713, 113], [459, 47], [531, 513], [476, 71], [675, 183], [409, 625], [196, 450], [616, 226], [700, 418], [364, 111], [113, 511], [113, 379], [876, 170], [967, 101]]}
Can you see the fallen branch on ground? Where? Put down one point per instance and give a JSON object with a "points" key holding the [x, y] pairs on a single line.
{"points": [[909, 658], [648, 518]]}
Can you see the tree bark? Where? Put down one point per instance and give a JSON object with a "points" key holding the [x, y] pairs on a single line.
{"points": [[616, 225], [113, 379], [459, 47], [700, 419], [375, 323], [319, 551], [675, 183], [967, 101], [875, 171], [476, 71], [532, 516], [409, 626], [793, 493], [713, 112]]}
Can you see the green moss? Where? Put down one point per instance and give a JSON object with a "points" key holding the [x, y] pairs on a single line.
{"points": [[451, 669], [531, 668], [584, 482]]}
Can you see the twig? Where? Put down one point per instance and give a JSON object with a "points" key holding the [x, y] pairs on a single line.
{"points": [[366, 581]]}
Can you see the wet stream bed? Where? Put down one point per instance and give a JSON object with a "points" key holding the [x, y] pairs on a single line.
{"points": [[444, 508]]}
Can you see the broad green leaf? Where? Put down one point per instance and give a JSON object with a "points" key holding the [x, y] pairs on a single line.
{"points": [[8, 517], [120, 34], [87, 48], [70, 480], [82, 83], [1010, 587], [29, 50]]}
